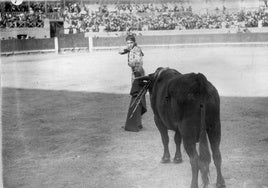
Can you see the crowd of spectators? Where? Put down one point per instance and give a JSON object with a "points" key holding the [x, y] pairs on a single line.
{"points": [[28, 14], [139, 17], [14, 20], [123, 17], [36, 6]]}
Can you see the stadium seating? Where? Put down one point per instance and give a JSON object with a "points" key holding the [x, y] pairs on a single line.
{"points": [[123, 17]]}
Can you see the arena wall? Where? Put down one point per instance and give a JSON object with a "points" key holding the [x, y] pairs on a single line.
{"points": [[65, 42], [104, 42], [73, 41], [29, 45], [79, 41]]}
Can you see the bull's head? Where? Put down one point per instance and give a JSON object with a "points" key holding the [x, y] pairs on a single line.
{"points": [[151, 78]]}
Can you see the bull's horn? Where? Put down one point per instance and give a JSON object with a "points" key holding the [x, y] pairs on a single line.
{"points": [[142, 78]]}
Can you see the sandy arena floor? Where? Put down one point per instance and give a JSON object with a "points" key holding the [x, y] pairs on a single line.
{"points": [[62, 118], [236, 71]]}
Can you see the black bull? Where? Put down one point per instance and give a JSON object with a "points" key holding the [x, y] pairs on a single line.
{"points": [[189, 105]]}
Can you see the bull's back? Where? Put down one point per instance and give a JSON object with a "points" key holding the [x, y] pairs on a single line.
{"points": [[188, 92], [173, 102], [160, 101]]}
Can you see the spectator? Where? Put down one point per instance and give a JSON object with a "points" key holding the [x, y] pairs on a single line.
{"points": [[138, 17], [260, 22]]}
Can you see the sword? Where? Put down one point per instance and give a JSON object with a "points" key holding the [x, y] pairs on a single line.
{"points": [[138, 99]]}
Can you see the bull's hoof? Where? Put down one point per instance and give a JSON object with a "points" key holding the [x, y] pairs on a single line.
{"points": [[165, 160], [177, 160]]}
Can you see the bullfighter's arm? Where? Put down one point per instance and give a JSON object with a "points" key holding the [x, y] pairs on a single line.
{"points": [[123, 51]]}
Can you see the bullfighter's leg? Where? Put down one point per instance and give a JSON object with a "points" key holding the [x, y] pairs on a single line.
{"points": [[190, 149], [214, 136], [165, 139], [177, 139]]}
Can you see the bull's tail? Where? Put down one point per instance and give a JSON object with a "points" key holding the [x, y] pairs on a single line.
{"points": [[204, 153]]}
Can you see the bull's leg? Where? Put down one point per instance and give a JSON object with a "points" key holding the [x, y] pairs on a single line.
{"points": [[165, 139], [214, 138], [204, 170], [177, 139], [192, 153]]}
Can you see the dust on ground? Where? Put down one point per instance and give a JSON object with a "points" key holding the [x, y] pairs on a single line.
{"points": [[235, 71], [62, 126], [74, 139]]}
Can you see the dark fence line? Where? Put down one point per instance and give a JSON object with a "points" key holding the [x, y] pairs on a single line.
{"points": [[48, 44], [17, 45], [78, 41], [184, 39], [73, 41]]}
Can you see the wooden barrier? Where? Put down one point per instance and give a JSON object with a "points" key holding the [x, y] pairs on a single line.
{"points": [[99, 42], [16, 46], [77, 42]]}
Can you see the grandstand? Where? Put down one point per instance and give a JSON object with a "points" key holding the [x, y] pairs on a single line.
{"points": [[91, 18]]}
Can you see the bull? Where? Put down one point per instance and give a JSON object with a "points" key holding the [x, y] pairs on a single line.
{"points": [[189, 105]]}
